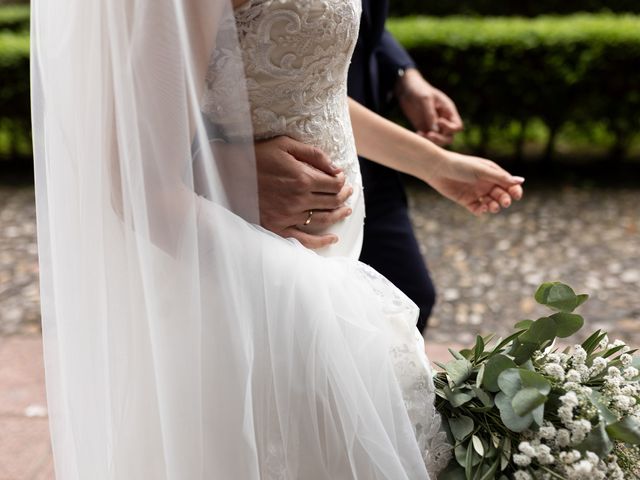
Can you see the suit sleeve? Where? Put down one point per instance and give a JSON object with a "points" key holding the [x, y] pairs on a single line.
{"points": [[391, 58]]}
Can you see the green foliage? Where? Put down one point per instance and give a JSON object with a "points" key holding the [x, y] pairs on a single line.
{"points": [[495, 397], [527, 8], [14, 18], [15, 115], [578, 70]]}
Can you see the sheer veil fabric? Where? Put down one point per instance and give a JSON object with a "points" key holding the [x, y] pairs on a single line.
{"points": [[182, 342]]}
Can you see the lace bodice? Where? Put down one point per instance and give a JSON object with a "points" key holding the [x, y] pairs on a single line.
{"points": [[296, 56]]}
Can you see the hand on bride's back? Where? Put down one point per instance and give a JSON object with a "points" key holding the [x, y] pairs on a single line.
{"points": [[477, 184], [293, 179]]}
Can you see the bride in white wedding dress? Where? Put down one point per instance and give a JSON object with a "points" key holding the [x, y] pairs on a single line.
{"points": [[296, 56], [183, 341]]}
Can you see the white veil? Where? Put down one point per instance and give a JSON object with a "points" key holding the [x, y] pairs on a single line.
{"points": [[181, 341]]}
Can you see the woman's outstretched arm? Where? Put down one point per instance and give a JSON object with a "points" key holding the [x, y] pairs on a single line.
{"points": [[477, 184]]}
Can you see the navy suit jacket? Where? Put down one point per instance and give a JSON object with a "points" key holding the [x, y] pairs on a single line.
{"points": [[376, 59]]}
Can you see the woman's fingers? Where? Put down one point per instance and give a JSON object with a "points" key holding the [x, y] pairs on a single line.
{"points": [[496, 174], [516, 192], [501, 196], [478, 208]]}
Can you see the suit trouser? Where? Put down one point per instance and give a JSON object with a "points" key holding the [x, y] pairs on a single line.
{"points": [[390, 245]]}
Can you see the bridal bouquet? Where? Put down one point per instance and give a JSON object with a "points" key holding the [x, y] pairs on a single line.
{"points": [[525, 409]]}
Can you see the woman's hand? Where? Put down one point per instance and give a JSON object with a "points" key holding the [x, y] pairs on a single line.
{"points": [[479, 185]]}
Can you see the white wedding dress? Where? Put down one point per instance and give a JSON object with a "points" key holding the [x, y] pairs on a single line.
{"points": [[296, 55], [182, 341]]}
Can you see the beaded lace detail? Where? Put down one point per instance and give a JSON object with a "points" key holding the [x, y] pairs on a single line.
{"points": [[413, 371], [296, 56]]}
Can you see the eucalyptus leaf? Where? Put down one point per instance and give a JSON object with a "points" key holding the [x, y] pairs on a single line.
{"points": [[461, 427], [528, 365], [607, 416], [510, 418], [522, 351], [538, 415], [527, 400], [494, 367], [459, 371], [504, 463], [558, 296], [460, 454], [626, 430], [477, 445], [580, 299], [567, 323], [542, 293], [510, 382], [479, 347], [597, 441], [523, 325], [456, 397], [484, 397], [535, 380], [480, 375], [540, 331], [466, 353]]}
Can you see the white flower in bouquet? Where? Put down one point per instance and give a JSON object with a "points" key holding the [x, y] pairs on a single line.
{"points": [[523, 409]]}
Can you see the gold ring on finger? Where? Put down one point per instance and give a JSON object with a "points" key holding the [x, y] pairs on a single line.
{"points": [[308, 221]]}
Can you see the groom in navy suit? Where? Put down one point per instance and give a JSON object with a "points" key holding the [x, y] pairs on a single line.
{"points": [[381, 70]]}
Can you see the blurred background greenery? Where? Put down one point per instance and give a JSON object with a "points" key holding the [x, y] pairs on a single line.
{"points": [[535, 81]]}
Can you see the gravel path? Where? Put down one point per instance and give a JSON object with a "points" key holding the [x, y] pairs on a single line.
{"points": [[19, 307], [486, 269]]}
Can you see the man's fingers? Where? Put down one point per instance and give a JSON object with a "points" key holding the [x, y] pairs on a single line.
{"points": [[324, 201], [311, 155], [441, 139], [449, 112], [309, 240], [323, 218], [320, 182], [449, 127], [430, 113]]}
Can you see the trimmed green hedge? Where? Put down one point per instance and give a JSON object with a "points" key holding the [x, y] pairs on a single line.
{"points": [[580, 69], [527, 8], [14, 18], [580, 72], [15, 116]]}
